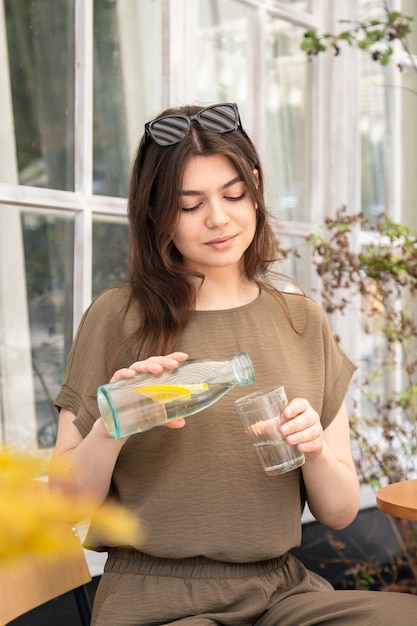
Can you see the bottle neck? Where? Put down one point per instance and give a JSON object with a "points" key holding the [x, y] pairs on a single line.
{"points": [[243, 369]]}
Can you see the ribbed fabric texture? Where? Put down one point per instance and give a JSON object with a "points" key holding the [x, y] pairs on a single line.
{"points": [[200, 490]]}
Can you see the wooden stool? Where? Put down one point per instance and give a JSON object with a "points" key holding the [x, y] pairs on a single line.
{"points": [[399, 499]]}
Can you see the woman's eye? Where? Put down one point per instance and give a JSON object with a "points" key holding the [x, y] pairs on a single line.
{"points": [[242, 196], [190, 209]]}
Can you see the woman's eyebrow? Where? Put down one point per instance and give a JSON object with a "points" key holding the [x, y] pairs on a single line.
{"points": [[235, 180], [230, 183]]}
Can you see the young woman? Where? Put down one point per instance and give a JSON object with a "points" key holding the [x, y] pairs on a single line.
{"points": [[218, 529]]}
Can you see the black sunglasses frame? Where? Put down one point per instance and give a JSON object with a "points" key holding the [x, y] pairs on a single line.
{"points": [[172, 133]]}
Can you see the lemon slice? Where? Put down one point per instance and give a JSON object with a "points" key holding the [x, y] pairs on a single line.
{"points": [[169, 393]]}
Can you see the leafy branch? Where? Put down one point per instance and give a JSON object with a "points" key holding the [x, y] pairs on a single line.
{"points": [[380, 280], [375, 35]]}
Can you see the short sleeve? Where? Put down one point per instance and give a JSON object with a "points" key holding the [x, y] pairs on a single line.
{"points": [[339, 370], [95, 355]]}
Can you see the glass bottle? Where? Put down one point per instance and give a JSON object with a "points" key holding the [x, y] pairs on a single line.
{"points": [[148, 400]]}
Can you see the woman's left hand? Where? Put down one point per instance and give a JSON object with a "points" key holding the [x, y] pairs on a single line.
{"points": [[303, 427], [328, 461]]}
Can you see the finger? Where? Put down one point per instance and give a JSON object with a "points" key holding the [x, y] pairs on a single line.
{"points": [[295, 407], [178, 356], [179, 423], [153, 365], [156, 364], [303, 436], [315, 445], [150, 366], [125, 372]]}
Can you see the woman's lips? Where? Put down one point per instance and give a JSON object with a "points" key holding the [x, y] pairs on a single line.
{"points": [[220, 243]]}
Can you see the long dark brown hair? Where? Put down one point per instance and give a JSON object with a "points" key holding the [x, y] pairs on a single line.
{"points": [[159, 280]]}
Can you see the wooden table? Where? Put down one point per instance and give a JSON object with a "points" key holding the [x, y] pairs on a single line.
{"points": [[399, 499]]}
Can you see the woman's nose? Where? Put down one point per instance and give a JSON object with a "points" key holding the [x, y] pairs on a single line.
{"points": [[217, 215]]}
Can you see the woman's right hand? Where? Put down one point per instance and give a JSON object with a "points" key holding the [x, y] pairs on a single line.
{"points": [[154, 365]]}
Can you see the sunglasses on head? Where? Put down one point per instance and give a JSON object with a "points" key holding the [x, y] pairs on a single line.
{"points": [[171, 129]]}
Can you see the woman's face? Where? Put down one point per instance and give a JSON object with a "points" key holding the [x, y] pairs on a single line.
{"points": [[218, 217]]}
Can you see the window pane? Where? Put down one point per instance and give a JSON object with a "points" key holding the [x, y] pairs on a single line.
{"points": [[49, 254], [301, 5], [287, 92], [127, 85], [40, 38], [409, 139], [225, 48], [298, 265], [374, 128], [109, 254]]}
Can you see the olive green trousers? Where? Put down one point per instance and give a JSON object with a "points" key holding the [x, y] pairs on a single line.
{"points": [[138, 590]]}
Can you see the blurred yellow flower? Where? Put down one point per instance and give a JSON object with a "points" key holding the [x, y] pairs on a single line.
{"points": [[31, 523]]}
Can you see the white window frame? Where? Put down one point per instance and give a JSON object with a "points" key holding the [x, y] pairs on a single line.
{"points": [[335, 151]]}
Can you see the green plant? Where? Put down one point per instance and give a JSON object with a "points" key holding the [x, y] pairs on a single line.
{"points": [[382, 278], [380, 281], [377, 35]]}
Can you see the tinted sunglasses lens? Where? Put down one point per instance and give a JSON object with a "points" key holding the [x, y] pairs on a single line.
{"points": [[222, 118], [168, 130]]}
